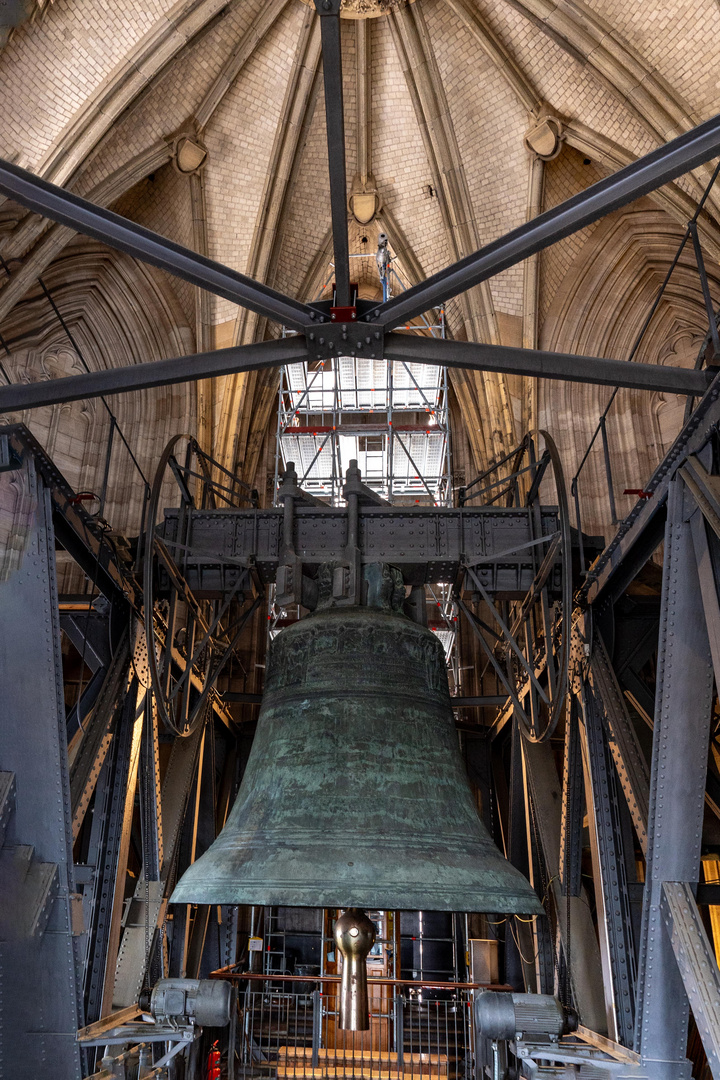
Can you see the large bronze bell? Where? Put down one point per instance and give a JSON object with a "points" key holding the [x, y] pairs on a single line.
{"points": [[355, 794]]}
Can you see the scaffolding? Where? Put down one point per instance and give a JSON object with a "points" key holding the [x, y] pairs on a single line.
{"points": [[391, 417]]}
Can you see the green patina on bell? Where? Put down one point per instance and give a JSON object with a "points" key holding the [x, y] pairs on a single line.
{"points": [[355, 793]]}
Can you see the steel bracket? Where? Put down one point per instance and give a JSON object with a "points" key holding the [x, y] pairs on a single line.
{"points": [[343, 314], [345, 339]]}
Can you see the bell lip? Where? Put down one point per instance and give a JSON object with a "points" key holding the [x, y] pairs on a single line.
{"points": [[481, 903]]}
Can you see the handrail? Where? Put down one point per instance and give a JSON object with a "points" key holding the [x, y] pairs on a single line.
{"points": [[256, 976]]}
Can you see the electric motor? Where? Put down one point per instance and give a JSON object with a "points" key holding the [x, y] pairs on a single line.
{"points": [[186, 1001], [532, 1016]]}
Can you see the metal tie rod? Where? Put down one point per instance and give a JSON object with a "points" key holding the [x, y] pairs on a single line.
{"points": [[644, 175], [63, 206]]}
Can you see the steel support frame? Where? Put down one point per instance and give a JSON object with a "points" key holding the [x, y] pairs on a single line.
{"points": [[40, 969], [623, 742], [677, 787], [537, 363], [429, 544], [666, 163], [696, 962], [473, 356], [641, 177], [329, 12], [64, 207], [577, 933], [608, 859]]}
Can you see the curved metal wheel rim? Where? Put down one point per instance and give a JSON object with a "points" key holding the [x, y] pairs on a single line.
{"points": [[148, 593], [558, 703]]}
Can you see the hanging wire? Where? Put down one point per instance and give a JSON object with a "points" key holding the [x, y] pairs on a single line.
{"points": [[3, 344], [638, 340], [78, 351], [528, 963]]}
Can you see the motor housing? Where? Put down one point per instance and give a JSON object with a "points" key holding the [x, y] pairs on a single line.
{"points": [[530, 1016], [181, 1002]]}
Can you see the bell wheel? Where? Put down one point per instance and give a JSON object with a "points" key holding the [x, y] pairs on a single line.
{"points": [[189, 639], [530, 650]]}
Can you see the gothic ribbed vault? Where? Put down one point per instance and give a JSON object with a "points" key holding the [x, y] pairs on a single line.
{"points": [[463, 119]]}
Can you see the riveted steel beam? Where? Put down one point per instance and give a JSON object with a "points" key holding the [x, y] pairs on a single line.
{"points": [[653, 170], [355, 340], [624, 745], [697, 964], [606, 845], [683, 710]]}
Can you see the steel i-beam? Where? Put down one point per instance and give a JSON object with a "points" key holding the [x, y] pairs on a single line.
{"points": [[641, 177], [293, 350], [329, 12], [683, 710]]}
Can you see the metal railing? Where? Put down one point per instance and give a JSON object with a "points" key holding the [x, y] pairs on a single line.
{"points": [[417, 1030]]}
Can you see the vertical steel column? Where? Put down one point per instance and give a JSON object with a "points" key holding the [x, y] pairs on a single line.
{"points": [[106, 853], [571, 822], [608, 471], [329, 12], [186, 855], [623, 742], [611, 891], [520, 947], [39, 962], [204, 837], [677, 786], [580, 948]]}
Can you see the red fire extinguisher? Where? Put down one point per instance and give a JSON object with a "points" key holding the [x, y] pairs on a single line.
{"points": [[213, 1063]]}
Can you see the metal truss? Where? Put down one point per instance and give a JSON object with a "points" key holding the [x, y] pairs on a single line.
{"points": [[637, 981], [347, 326], [632, 980], [676, 968]]}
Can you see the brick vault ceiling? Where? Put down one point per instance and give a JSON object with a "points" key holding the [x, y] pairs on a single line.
{"points": [[464, 116]]}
